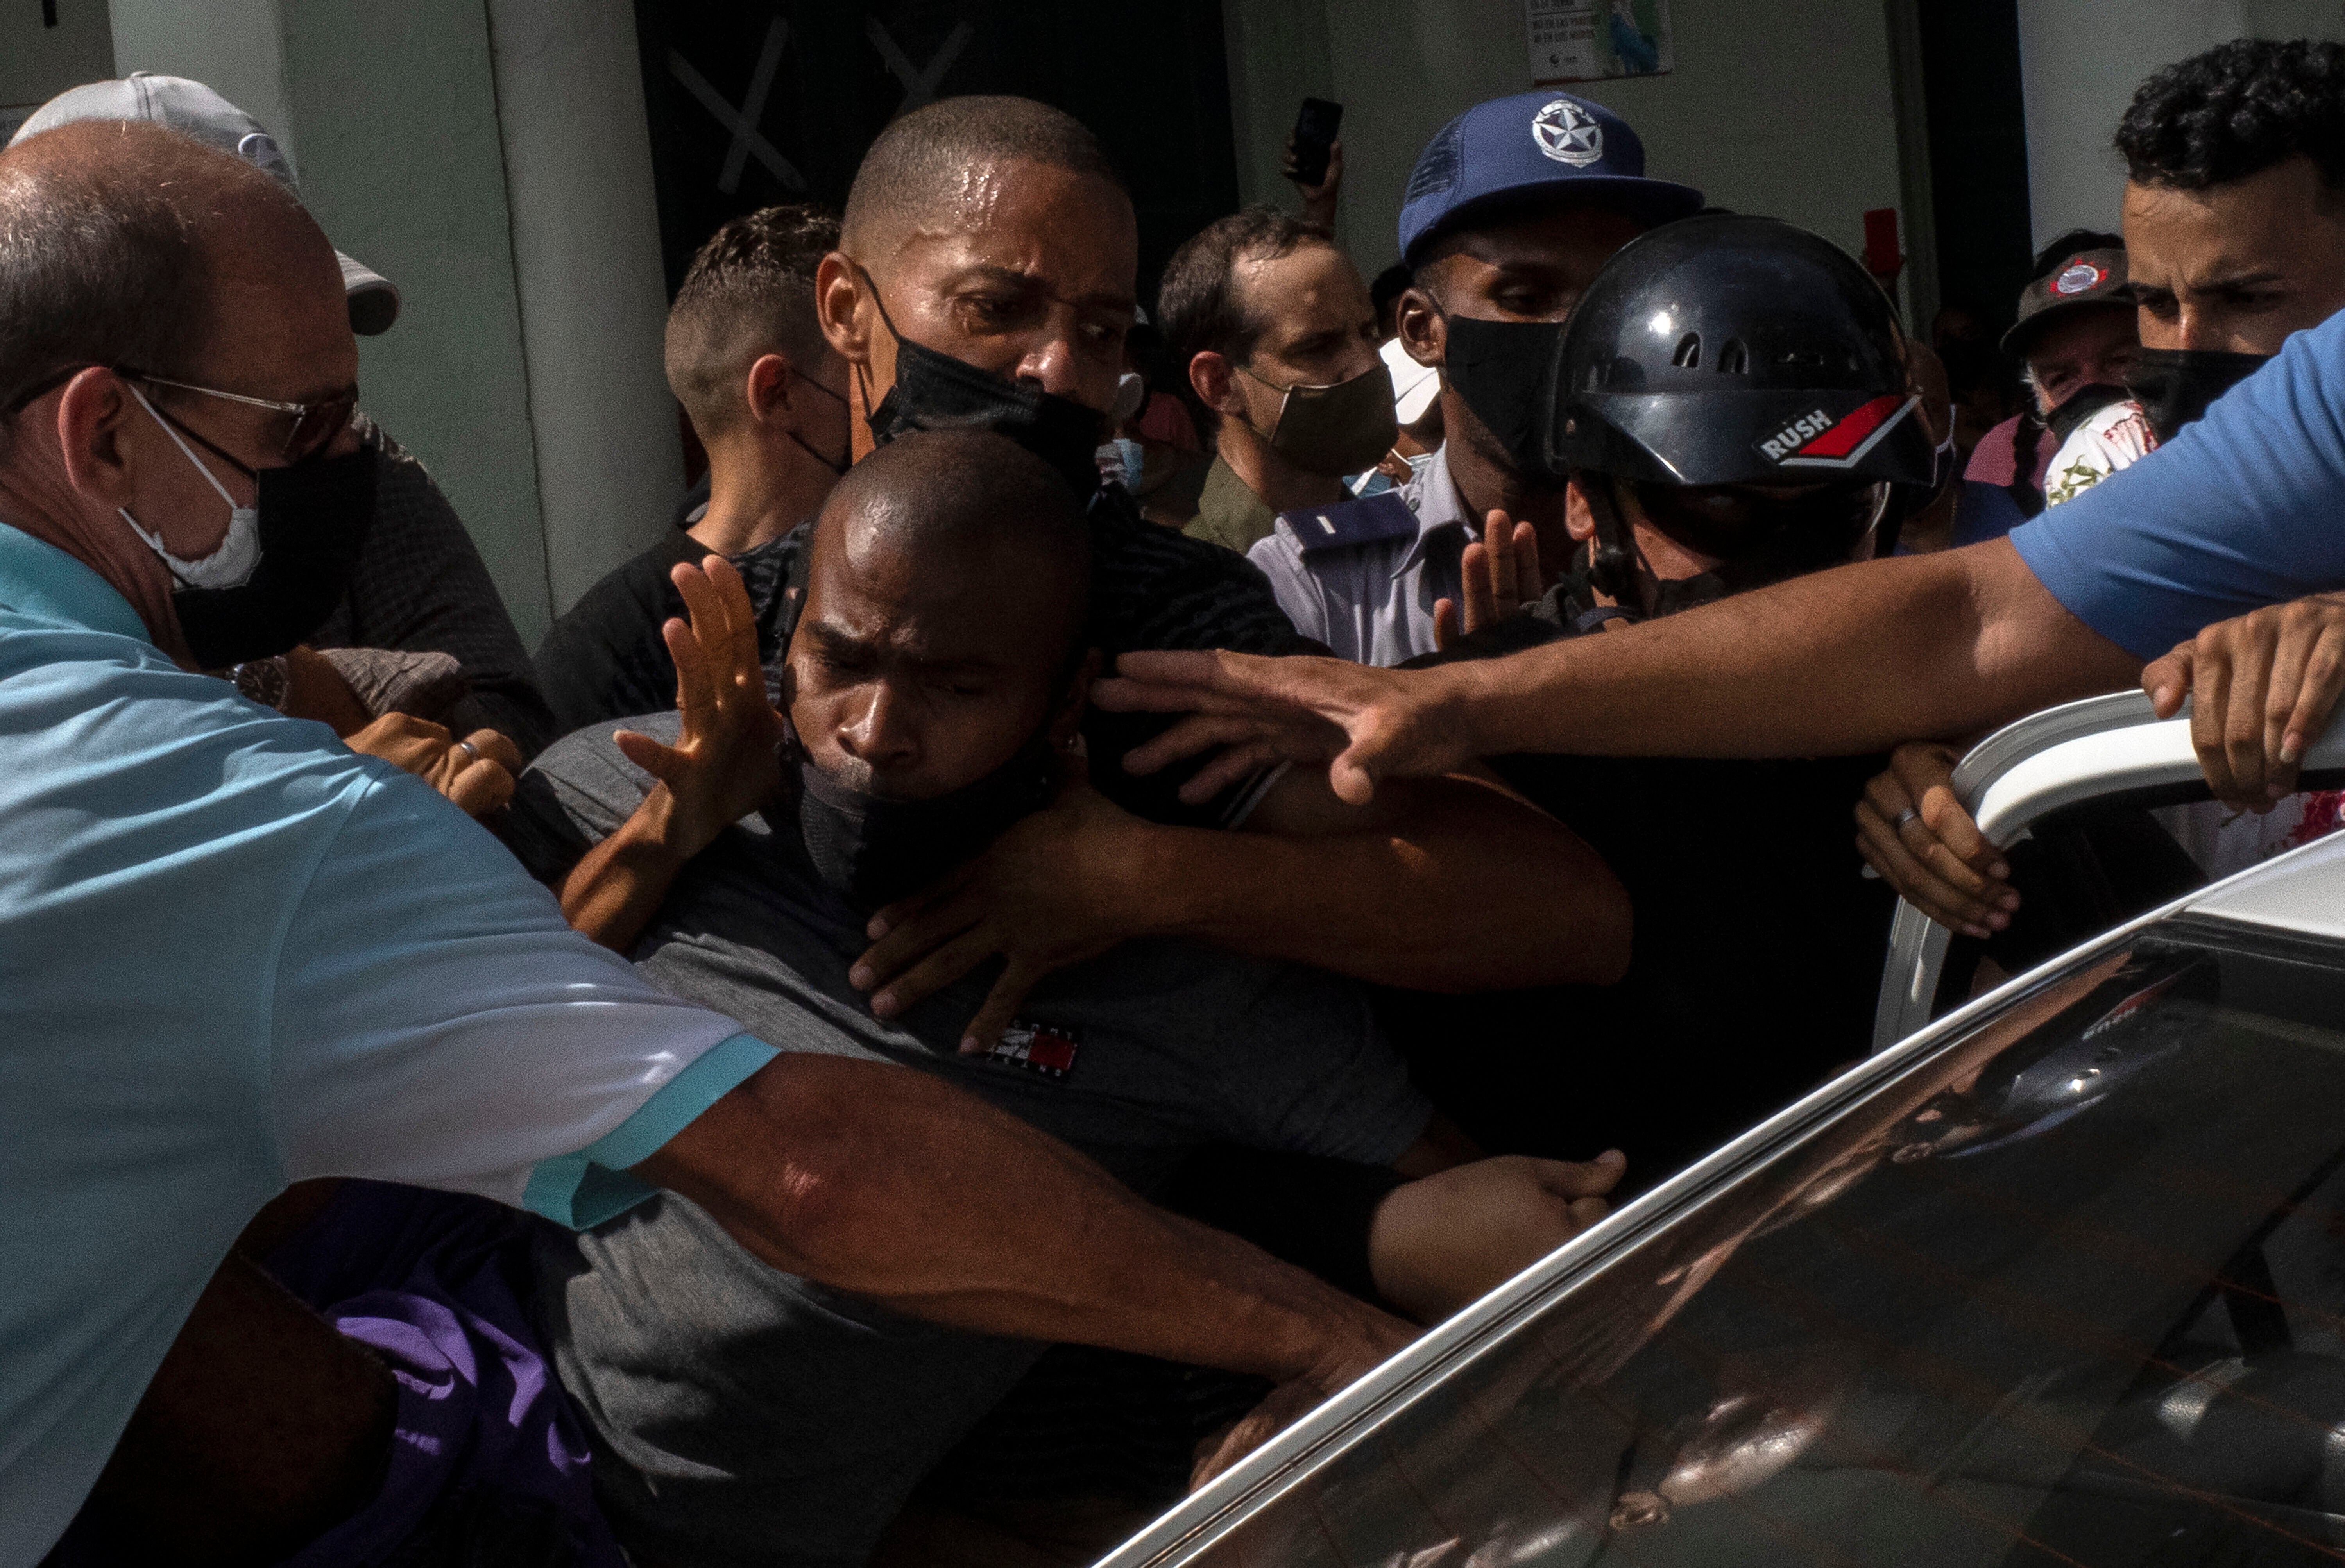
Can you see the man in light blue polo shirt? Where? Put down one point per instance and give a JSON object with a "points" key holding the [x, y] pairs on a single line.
{"points": [[1512, 208], [234, 955]]}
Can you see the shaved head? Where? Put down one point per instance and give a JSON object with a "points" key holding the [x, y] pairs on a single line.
{"points": [[122, 243], [926, 168], [943, 497], [942, 628]]}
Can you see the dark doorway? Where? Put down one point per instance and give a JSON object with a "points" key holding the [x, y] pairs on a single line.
{"points": [[1978, 155], [755, 103]]}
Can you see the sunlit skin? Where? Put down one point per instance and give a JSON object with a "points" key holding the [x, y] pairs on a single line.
{"points": [[1030, 275], [1318, 327], [910, 680], [2235, 267], [2095, 346], [282, 332], [1530, 268]]}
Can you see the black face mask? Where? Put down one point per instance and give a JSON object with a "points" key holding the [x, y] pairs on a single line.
{"points": [[1502, 370], [2082, 405], [872, 851], [935, 391], [836, 465], [314, 517], [2175, 386]]}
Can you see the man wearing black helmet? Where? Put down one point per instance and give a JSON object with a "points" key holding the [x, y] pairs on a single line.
{"points": [[1734, 406], [1513, 208]]}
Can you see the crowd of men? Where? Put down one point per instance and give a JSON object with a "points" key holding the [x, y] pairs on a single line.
{"points": [[1118, 857]]}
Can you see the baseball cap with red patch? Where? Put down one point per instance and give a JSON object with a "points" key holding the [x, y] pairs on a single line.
{"points": [[2077, 280]]}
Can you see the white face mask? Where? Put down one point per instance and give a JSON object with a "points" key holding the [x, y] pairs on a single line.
{"points": [[231, 564]]}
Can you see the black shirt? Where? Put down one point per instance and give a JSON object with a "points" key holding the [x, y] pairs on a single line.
{"points": [[605, 658], [1754, 968], [1151, 588]]}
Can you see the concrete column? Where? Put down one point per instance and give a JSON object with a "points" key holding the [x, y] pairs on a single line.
{"points": [[593, 291]]}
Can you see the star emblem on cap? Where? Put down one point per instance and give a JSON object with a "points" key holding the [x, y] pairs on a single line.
{"points": [[1568, 133]]}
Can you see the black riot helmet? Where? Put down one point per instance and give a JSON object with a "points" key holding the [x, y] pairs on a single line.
{"points": [[1750, 382]]}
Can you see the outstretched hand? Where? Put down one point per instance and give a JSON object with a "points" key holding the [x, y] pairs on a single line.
{"points": [[1501, 578], [1365, 724], [724, 765]]}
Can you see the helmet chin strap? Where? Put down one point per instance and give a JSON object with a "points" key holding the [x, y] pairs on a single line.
{"points": [[1613, 557]]}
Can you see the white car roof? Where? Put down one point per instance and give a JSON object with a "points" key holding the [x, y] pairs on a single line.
{"points": [[2303, 891]]}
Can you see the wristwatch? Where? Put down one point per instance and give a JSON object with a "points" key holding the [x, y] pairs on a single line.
{"points": [[264, 680]]}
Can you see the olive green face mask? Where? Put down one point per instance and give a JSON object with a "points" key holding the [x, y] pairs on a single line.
{"points": [[1335, 430]]}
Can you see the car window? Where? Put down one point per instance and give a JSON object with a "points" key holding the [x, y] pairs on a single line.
{"points": [[2071, 1290]]}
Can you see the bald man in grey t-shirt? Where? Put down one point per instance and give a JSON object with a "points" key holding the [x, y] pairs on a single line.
{"points": [[760, 1418]]}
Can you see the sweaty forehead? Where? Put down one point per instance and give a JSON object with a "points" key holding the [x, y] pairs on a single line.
{"points": [[1033, 218], [945, 600]]}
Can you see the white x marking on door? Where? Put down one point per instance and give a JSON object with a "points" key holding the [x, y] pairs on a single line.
{"points": [[743, 122], [920, 82]]}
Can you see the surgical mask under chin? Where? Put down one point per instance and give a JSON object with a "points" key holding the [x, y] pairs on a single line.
{"points": [[229, 566], [933, 390], [2175, 386], [1335, 430], [873, 851], [1503, 370]]}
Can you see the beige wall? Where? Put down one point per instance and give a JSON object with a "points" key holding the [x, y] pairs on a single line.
{"points": [[2079, 66], [1750, 115]]}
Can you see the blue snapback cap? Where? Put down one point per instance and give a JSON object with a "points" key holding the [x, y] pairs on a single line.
{"points": [[1529, 147]]}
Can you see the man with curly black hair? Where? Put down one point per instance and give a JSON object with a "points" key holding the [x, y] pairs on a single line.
{"points": [[2234, 213]]}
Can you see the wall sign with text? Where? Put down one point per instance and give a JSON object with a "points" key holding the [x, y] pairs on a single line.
{"points": [[1588, 40]]}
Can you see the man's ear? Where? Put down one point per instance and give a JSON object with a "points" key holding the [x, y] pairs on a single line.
{"points": [[1424, 334], [90, 415], [769, 385], [837, 300], [1068, 721], [1211, 375], [1579, 517]]}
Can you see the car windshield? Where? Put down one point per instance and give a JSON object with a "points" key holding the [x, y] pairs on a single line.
{"points": [[2071, 1290]]}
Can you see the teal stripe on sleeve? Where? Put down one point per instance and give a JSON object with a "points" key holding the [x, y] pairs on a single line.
{"points": [[581, 1190]]}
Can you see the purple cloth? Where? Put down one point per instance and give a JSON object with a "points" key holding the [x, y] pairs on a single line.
{"points": [[486, 1454]]}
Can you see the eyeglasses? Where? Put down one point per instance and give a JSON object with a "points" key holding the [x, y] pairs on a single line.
{"points": [[313, 424]]}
